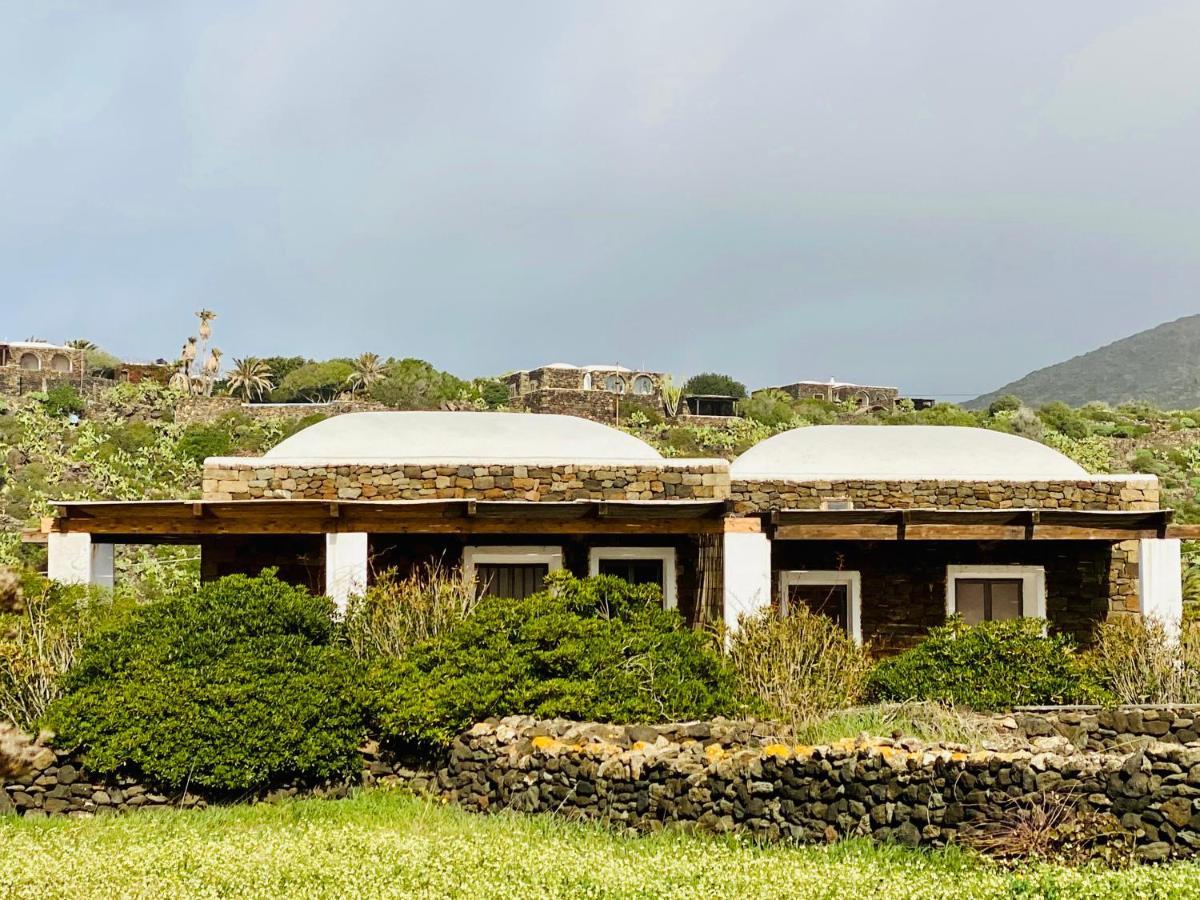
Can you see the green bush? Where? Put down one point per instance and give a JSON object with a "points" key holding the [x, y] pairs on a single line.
{"points": [[236, 686], [62, 400], [492, 391], [200, 441], [1006, 403], [1064, 420], [314, 382], [990, 666], [770, 407], [415, 384], [593, 649], [714, 383]]}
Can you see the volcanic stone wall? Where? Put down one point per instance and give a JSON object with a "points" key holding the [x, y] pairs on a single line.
{"points": [[1125, 728], [1111, 493], [730, 777], [232, 479]]}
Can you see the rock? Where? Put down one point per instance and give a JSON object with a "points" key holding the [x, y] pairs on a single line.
{"points": [[1158, 851]]}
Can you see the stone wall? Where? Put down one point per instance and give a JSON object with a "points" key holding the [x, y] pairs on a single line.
{"points": [[866, 396], [1125, 728], [209, 409], [250, 479], [730, 777], [599, 406], [16, 382], [1099, 493]]}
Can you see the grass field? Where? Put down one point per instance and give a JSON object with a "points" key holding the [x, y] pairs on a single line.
{"points": [[385, 844]]}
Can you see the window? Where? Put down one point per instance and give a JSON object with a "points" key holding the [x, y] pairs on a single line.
{"points": [[30, 361], [643, 385], [60, 362], [587, 381], [615, 383], [836, 594], [514, 572], [995, 593], [638, 565]]}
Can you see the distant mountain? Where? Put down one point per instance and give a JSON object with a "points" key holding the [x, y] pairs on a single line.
{"points": [[1159, 366]]}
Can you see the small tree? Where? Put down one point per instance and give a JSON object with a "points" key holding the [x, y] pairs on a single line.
{"points": [[250, 378], [369, 369], [715, 383], [314, 382]]}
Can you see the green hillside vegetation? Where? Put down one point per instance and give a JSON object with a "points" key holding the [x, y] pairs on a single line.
{"points": [[128, 446], [1160, 366]]}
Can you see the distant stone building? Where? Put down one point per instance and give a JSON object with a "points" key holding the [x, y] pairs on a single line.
{"points": [[600, 393], [27, 366], [869, 397]]}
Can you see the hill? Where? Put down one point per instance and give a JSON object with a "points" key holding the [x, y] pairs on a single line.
{"points": [[1160, 366]]}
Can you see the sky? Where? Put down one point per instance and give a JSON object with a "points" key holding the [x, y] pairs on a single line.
{"points": [[940, 196]]}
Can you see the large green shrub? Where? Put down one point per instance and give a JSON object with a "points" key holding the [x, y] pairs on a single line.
{"points": [[314, 382], [990, 666], [63, 400], [770, 407], [200, 441], [415, 384], [715, 383], [236, 686], [593, 649]]}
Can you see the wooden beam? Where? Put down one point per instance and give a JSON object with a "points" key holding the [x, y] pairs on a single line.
{"points": [[837, 532], [743, 525], [1184, 532], [352, 522]]}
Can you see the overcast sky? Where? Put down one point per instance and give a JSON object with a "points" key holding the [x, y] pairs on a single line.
{"points": [[938, 195]]}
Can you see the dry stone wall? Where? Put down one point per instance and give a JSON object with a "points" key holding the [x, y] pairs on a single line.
{"points": [[209, 409], [725, 777], [1125, 728], [1113, 493], [232, 479]]}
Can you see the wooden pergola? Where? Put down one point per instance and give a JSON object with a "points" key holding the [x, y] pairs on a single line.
{"points": [[187, 521], [975, 525]]}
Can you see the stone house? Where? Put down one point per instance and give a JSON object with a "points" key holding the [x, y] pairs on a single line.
{"points": [[886, 529], [38, 366], [870, 397], [600, 393]]}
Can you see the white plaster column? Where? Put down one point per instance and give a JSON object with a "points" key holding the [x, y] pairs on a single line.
{"points": [[75, 559], [1160, 577], [747, 569], [345, 566]]}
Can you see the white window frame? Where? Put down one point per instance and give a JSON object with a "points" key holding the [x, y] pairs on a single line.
{"points": [[474, 556], [665, 555], [827, 577], [1032, 578]]}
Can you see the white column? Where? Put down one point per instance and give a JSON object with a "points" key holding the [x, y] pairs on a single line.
{"points": [[345, 566], [747, 575], [74, 559], [1160, 575]]}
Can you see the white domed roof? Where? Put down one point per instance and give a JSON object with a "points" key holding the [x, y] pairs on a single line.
{"points": [[461, 436], [901, 452]]}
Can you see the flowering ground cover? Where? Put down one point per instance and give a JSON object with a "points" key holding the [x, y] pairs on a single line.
{"points": [[389, 845]]}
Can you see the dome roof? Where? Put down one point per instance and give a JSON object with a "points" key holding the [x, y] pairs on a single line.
{"points": [[900, 452], [461, 436]]}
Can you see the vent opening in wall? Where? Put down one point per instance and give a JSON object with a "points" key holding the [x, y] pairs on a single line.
{"points": [[837, 503]]}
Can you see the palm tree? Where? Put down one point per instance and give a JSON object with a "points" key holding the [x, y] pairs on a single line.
{"points": [[81, 344], [368, 369], [250, 378], [206, 316], [210, 371]]}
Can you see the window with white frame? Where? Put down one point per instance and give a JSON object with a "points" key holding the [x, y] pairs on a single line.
{"points": [[514, 572], [833, 593], [995, 593], [638, 565], [643, 385], [615, 383]]}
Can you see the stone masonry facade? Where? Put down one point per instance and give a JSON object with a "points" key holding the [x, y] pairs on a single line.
{"points": [[232, 479], [1100, 493]]}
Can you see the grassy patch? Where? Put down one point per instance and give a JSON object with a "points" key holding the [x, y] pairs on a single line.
{"points": [[386, 844], [927, 721]]}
